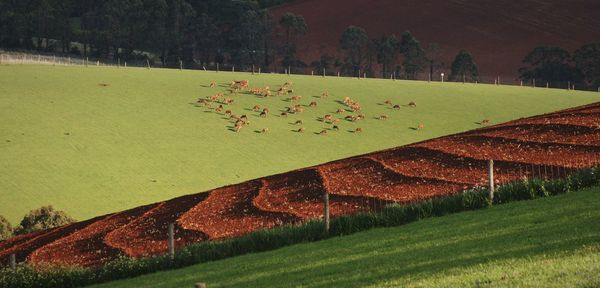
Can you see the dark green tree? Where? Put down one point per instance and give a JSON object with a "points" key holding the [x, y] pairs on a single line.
{"points": [[414, 55], [387, 53], [5, 229], [354, 41], [433, 56], [294, 25], [550, 65], [324, 62], [42, 219], [464, 68], [587, 61]]}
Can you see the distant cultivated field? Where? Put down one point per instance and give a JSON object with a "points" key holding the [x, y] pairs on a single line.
{"points": [[550, 242], [92, 149]]}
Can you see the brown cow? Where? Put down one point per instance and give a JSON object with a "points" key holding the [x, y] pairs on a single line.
{"points": [[312, 104], [383, 117], [420, 126], [266, 110], [396, 106], [256, 108], [323, 132], [263, 114], [264, 130], [300, 130], [335, 128], [283, 114], [325, 94], [412, 104], [388, 102], [298, 122], [340, 110], [358, 130], [328, 118], [213, 84], [227, 112], [485, 122]]}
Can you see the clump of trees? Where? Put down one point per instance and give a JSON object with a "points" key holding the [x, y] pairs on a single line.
{"points": [[555, 67], [40, 219], [224, 31], [464, 68], [402, 57]]}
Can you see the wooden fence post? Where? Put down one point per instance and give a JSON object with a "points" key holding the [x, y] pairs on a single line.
{"points": [[491, 179], [171, 241], [13, 261], [326, 210]]}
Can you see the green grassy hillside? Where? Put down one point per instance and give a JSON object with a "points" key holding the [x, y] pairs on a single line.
{"points": [[549, 242], [91, 149]]}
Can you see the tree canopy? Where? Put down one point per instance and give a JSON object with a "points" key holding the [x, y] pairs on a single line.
{"points": [[464, 68], [43, 218]]}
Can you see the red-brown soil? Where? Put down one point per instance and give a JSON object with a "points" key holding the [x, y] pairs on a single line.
{"points": [[499, 33], [550, 145]]}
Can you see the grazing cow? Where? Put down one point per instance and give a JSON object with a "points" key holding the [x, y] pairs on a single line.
{"points": [[227, 112], [325, 94], [263, 114], [396, 106], [335, 128], [312, 104], [328, 118], [266, 110], [485, 122], [219, 109], [358, 130], [388, 102], [213, 84], [267, 93], [283, 114], [347, 100], [323, 132], [412, 104], [244, 118], [340, 110], [360, 117], [298, 122], [256, 108], [296, 98], [228, 101], [299, 109], [264, 130], [350, 118], [420, 126], [300, 130], [383, 117], [335, 121]]}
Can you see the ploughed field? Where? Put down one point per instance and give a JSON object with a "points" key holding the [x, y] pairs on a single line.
{"points": [[92, 141], [559, 142]]}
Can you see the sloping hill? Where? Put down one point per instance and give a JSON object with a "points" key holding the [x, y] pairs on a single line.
{"points": [[499, 33], [550, 242], [560, 141]]}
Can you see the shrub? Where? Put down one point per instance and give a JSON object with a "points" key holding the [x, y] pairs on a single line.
{"points": [[5, 229], [41, 219]]}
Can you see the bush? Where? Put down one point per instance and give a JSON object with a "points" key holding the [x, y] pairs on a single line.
{"points": [[41, 219], [5, 229]]}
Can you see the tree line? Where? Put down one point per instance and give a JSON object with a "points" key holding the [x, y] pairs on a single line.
{"points": [[243, 33]]}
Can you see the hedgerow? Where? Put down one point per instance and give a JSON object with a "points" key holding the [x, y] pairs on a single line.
{"points": [[264, 240]]}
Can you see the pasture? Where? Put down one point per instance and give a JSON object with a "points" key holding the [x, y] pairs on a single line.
{"points": [[97, 140], [549, 242]]}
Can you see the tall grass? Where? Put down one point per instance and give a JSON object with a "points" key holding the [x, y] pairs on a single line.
{"points": [[263, 240]]}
